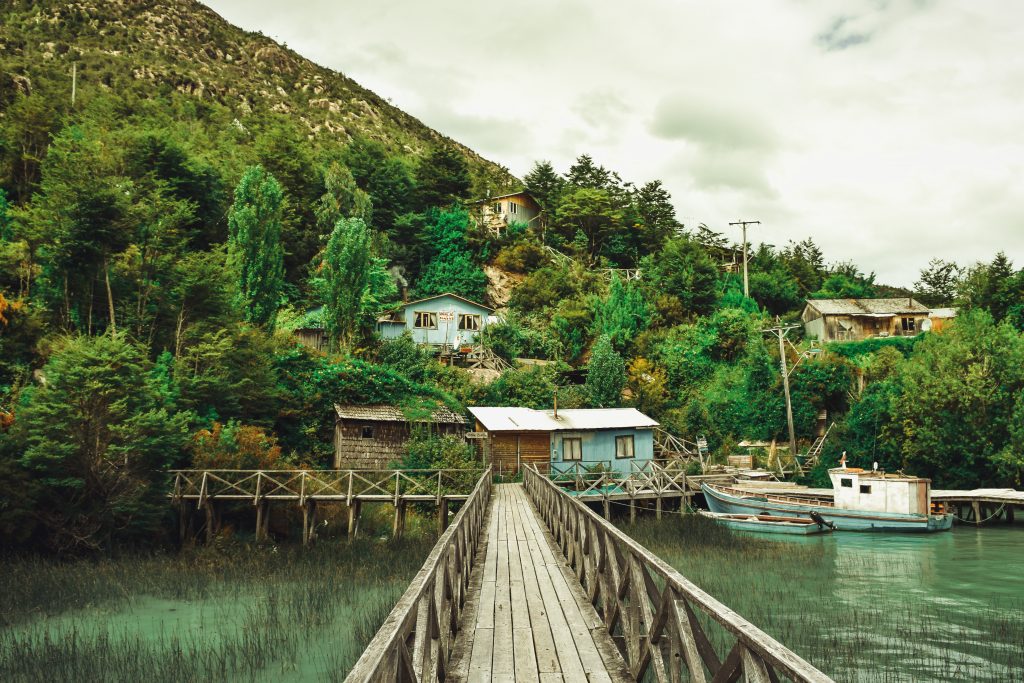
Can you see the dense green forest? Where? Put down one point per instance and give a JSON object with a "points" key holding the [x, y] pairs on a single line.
{"points": [[159, 244]]}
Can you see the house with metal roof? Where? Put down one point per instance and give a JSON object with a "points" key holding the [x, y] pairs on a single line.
{"points": [[613, 437], [442, 321], [497, 213], [857, 319], [374, 436]]}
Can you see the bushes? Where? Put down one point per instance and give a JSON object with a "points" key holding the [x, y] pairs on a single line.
{"points": [[235, 447]]}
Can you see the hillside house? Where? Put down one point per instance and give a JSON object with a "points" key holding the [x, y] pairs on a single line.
{"points": [[614, 437], [374, 436], [309, 330], [445, 321], [497, 213], [830, 320]]}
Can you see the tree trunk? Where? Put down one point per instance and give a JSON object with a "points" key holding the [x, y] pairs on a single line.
{"points": [[110, 298]]}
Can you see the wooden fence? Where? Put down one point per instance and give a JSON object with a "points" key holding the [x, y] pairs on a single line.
{"points": [[650, 609], [415, 642]]}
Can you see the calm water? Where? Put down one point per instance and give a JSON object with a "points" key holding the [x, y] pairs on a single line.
{"points": [[880, 607]]}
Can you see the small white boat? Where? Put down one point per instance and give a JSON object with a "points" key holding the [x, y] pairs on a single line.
{"points": [[768, 524]]}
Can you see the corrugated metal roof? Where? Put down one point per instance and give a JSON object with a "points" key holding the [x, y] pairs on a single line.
{"points": [[872, 307], [388, 413], [942, 313], [573, 419]]}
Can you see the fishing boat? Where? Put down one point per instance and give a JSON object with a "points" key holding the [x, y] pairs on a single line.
{"points": [[768, 524], [862, 500]]}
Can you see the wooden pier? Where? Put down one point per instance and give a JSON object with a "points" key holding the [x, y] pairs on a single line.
{"points": [[555, 592], [209, 490]]}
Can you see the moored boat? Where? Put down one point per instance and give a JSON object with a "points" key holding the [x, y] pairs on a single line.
{"points": [[862, 501], [767, 524]]}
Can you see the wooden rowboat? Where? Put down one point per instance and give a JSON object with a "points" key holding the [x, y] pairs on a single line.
{"points": [[767, 524]]}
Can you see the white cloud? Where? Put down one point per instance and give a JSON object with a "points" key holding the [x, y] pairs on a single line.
{"points": [[887, 130]]}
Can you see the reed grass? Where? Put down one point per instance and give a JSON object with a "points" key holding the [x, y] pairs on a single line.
{"points": [[860, 609], [231, 611]]}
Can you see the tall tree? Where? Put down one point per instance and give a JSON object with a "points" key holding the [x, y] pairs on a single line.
{"points": [[385, 178], [442, 178], [342, 198], [682, 273], [657, 215], [347, 262], [451, 267], [544, 185], [938, 283], [255, 255], [606, 374], [592, 213], [623, 314]]}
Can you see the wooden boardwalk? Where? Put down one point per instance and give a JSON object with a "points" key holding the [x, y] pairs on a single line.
{"points": [[527, 618]]}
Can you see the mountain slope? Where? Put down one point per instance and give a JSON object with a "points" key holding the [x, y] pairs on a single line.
{"points": [[160, 46]]}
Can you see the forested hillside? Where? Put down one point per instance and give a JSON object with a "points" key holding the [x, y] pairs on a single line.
{"points": [[206, 189]]}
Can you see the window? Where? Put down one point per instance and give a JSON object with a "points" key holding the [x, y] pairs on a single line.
{"points": [[847, 483], [865, 488], [496, 208], [367, 432], [908, 324], [425, 320], [469, 321], [513, 207], [572, 449], [624, 446]]}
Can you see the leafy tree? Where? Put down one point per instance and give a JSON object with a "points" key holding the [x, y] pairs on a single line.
{"points": [[6, 231], [585, 174], [606, 374], [544, 185], [806, 264], [938, 283], [684, 271], [451, 268], [97, 439], [235, 446], [624, 314], [347, 262], [342, 198], [648, 385], [958, 393], [776, 290], [530, 387], [843, 286], [591, 212], [657, 216], [442, 177], [255, 255], [385, 178]]}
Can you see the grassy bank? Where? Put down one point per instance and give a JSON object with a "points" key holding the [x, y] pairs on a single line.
{"points": [[229, 612], [864, 607]]}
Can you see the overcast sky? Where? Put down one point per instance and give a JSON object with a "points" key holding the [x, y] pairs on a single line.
{"points": [[890, 131]]}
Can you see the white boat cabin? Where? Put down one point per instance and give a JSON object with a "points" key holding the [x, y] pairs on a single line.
{"points": [[859, 489]]}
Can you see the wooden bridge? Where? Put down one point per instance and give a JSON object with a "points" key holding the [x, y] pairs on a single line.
{"points": [[529, 584]]}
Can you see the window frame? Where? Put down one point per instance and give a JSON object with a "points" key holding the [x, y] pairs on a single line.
{"points": [[431, 318], [366, 432], [625, 438], [470, 316], [865, 488], [908, 324], [846, 482], [579, 448], [513, 207], [496, 207]]}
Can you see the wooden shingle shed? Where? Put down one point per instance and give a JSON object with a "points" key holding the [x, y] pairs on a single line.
{"points": [[374, 436], [616, 438]]}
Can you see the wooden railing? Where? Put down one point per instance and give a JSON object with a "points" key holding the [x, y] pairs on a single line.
{"points": [[650, 609], [339, 485], [415, 642]]}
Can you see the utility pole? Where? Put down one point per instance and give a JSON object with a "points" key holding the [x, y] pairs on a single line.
{"points": [[781, 333], [746, 281]]}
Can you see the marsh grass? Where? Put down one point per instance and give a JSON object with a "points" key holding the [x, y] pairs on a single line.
{"points": [[862, 607], [228, 612]]}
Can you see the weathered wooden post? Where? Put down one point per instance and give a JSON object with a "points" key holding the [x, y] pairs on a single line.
{"points": [[1009, 514], [354, 510], [657, 507], [976, 506], [184, 522], [398, 526], [442, 514], [262, 521], [632, 509], [211, 521], [607, 507]]}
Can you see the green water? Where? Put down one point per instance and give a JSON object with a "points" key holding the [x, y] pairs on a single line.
{"points": [[877, 607]]}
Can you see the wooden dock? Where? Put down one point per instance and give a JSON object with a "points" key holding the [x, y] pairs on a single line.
{"points": [[528, 619]]}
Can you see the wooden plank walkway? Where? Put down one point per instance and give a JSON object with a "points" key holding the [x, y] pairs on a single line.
{"points": [[527, 618]]}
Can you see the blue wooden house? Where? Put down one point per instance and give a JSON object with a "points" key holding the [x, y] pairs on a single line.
{"points": [[444, 321], [616, 438]]}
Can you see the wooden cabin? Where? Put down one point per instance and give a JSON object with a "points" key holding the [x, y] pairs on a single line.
{"points": [[940, 318], [309, 330], [830, 320], [613, 437], [374, 436], [442, 321], [497, 213]]}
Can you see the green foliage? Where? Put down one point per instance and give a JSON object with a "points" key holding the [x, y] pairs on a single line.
{"points": [[442, 178], [544, 185], [451, 268], [904, 345], [530, 387], [624, 314], [684, 272], [96, 439], [235, 447], [347, 263], [841, 285], [341, 199], [592, 213], [606, 374], [255, 255]]}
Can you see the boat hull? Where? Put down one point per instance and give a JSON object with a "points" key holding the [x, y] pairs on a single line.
{"points": [[761, 526], [844, 520]]}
